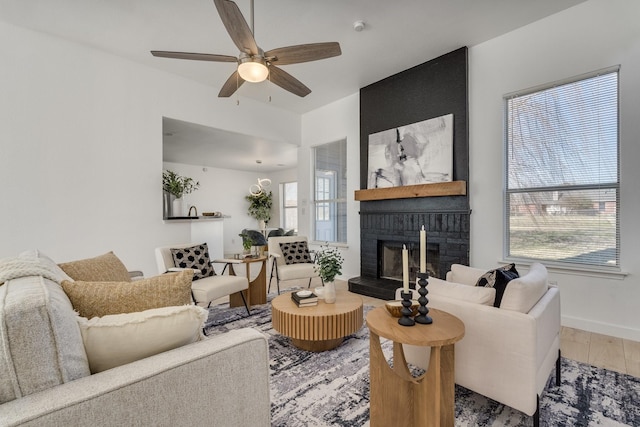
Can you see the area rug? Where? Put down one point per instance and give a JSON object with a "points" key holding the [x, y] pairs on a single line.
{"points": [[332, 388]]}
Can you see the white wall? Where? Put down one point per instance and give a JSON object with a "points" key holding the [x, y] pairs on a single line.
{"points": [[81, 147], [590, 36], [334, 122], [587, 37], [81, 156], [224, 190]]}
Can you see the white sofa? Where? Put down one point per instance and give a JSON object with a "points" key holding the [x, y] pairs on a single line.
{"points": [[507, 353], [45, 378]]}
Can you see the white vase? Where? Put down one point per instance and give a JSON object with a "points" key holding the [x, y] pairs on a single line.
{"points": [[330, 292], [178, 207]]}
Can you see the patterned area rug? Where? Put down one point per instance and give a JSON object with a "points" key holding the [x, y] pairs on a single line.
{"points": [[332, 388]]}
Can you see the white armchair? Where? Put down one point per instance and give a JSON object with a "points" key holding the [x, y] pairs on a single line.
{"points": [[207, 289], [279, 267], [507, 353]]}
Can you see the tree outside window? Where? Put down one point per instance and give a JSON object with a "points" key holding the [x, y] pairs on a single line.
{"points": [[561, 201]]}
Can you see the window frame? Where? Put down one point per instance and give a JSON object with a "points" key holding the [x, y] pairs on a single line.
{"points": [[330, 206], [507, 192], [284, 207]]}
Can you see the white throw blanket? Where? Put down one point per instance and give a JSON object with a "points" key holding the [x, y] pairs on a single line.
{"points": [[29, 264]]}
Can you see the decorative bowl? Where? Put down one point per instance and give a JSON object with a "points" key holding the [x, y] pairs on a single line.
{"points": [[395, 307], [304, 294]]}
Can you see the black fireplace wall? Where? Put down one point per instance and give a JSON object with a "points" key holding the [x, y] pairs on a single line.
{"points": [[433, 89]]}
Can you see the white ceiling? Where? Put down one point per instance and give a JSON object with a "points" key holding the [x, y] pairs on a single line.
{"points": [[199, 145], [397, 35]]}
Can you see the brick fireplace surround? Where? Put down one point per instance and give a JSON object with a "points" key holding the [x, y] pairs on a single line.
{"points": [[429, 90], [448, 231]]}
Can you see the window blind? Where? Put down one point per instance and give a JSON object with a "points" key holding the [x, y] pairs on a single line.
{"points": [[562, 173]]}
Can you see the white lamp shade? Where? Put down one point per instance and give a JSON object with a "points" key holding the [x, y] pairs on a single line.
{"points": [[264, 182], [253, 72]]}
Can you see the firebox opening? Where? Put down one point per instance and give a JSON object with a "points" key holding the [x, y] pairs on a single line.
{"points": [[390, 260]]}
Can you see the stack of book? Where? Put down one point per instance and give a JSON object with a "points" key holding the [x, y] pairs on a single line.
{"points": [[304, 301]]}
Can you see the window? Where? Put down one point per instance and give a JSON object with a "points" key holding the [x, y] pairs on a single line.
{"points": [[330, 192], [562, 179], [289, 205]]}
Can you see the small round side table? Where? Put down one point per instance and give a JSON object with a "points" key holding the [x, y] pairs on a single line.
{"points": [[399, 399]]}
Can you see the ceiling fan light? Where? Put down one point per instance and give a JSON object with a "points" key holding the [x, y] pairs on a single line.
{"points": [[253, 70]]}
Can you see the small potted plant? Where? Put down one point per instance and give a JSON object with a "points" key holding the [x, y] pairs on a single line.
{"points": [[253, 239], [260, 207], [246, 242], [177, 186], [329, 265]]}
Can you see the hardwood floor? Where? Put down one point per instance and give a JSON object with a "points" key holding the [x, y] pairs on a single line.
{"points": [[612, 353], [603, 351]]}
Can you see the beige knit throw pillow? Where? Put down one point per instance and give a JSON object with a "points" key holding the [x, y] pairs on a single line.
{"points": [[97, 299]]}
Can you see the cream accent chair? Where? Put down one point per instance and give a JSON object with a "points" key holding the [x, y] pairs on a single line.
{"points": [[507, 353], [284, 271], [207, 289]]}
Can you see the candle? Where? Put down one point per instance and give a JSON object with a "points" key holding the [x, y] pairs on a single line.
{"points": [[405, 269], [423, 250]]}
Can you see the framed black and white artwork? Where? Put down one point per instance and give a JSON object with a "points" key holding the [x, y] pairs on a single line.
{"points": [[419, 153]]}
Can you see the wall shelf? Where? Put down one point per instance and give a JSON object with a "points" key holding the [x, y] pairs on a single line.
{"points": [[453, 188]]}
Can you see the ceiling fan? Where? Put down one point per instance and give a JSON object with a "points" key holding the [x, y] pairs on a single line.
{"points": [[255, 65]]}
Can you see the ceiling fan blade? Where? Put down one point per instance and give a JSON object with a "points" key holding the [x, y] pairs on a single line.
{"points": [[194, 56], [287, 82], [237, 26], [231, 85], [304, 53]]}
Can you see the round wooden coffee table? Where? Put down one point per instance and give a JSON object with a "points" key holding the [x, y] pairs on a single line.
{"points": [[320, 327]]}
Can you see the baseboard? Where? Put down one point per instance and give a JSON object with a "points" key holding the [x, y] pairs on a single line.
{"points": [[601, 328]]}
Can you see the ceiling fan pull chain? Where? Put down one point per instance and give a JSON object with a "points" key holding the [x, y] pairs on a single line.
{"points": [[237, 87]]}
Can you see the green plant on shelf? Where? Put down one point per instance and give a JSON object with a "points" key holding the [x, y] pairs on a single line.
{"points": [[178, 185]]}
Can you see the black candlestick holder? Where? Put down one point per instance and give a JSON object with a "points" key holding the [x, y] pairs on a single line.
{"points": [[406, 312], [423, 318]]}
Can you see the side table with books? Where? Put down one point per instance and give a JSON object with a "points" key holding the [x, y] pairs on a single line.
{"points": [[319, 326]]}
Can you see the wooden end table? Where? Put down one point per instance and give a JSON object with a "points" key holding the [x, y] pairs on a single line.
{"points": [[257, 292], [399, 399], [320, 327]]}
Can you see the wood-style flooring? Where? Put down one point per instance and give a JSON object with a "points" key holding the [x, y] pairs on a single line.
{"points": [[615, 354]]}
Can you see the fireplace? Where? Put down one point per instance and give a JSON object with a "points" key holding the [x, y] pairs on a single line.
{"points": [[382, 234], [390, 262]]}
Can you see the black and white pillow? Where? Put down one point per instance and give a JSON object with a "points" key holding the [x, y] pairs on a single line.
{"points": [[295, 252], [498, 279], [196, 257]]}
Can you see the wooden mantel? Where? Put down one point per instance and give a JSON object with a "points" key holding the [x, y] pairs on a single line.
{"points": [[453, 188]]}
